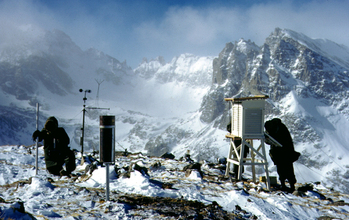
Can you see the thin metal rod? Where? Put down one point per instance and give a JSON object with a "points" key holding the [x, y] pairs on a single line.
{"points": [[107, 181], [37, 141], [83, 131]]}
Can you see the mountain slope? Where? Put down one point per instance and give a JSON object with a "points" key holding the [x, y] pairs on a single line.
{"points": [[48, 68], [178, 106], [307, 83], [307, 90]]}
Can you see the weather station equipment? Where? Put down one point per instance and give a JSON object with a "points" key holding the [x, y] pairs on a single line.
{"points": [[247, 125], [83, 121], [107, 144]]}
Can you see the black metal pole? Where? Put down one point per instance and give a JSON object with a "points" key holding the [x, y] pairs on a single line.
{"points": [[83, 130], [37, 141], [83, 124]]}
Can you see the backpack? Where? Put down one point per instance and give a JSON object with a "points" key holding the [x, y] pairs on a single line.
{"points": [[280, 155], [294, 156]]}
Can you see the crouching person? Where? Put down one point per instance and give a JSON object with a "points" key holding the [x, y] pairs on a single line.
{"points": [[57, 151]]}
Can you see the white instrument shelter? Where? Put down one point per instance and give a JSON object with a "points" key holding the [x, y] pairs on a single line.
{"points": [[247, 125]]}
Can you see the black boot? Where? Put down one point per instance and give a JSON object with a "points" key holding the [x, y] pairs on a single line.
{"points": [[292, 188], [283, 186], [64, 173]]}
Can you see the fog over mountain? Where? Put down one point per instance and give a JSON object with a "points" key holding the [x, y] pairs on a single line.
{"points": [[179, 105]]}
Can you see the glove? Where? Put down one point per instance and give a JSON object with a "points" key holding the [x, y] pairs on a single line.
{"points": [[37, 134]]}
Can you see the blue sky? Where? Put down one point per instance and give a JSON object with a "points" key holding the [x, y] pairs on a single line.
{"points": [[132, 29]]}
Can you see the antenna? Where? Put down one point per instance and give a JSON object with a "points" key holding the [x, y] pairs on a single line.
{"points": [[112, 65], [99, 82]]}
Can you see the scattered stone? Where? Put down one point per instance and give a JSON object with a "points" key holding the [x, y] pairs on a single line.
{"points": [[18, 206], [194, 166], [156, 165], [50, 180], [90, 159], [167, 186], [90, 168], [142, 170], [19, 183], [222, 160], [222, 178], [305, 188], [322, 197], [187, 157], [126, 171], [168, 155], [237, 207], [2, 200], [298, 193], [16, 210], [177, 208], [340, 203], [124, 153], [187, 173], [325, 218]]}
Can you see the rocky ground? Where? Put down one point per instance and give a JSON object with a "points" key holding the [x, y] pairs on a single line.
{"points": [[174, 189]]}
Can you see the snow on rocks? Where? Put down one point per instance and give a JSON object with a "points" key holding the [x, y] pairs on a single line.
{"points": [[155, 188]]}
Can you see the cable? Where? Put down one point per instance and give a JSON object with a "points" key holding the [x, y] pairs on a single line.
{"points": [[332, 159], [300, 174], [120, 144], [328, 156], [311, 169]]}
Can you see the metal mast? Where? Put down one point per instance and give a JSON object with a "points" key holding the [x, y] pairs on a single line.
{"points": [[83, 123]]}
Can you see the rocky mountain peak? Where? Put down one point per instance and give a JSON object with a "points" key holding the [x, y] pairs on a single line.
{"points": [[186, 68], [284, 62], [147, 69], [306, 80], [229, 60]]}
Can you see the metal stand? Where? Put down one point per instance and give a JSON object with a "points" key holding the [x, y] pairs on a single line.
{"points": [[37, 141], [241, 161], [107, 180]]}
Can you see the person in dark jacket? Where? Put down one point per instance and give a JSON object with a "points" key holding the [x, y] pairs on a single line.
{"points": [[57, 151], [283, 157]]}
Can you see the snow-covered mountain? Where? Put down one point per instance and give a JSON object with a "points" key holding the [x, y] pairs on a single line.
{"points": [[307, 82], [187, 68], [178, 106], [48, 68]]}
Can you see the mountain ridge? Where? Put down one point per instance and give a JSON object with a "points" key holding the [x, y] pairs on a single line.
{"points": [[178, 106]]}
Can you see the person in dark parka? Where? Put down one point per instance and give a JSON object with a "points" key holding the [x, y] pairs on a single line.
{"points": [[57, 151], [283, 157]]}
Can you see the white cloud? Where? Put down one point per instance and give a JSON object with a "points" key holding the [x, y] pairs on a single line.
{"points": [[206, 30], [317, 19], [190, 30], [137, 29]]}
